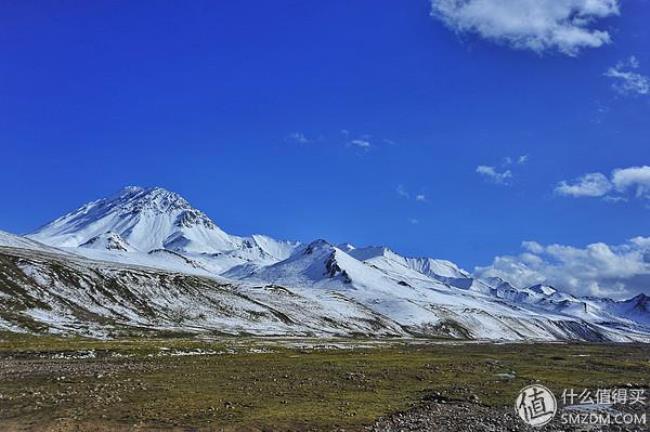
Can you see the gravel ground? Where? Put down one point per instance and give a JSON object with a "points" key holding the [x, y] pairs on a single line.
{"points": [[441, 415]]}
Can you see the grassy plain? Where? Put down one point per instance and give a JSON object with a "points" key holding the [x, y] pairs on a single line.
{"points": [[62, 384]]}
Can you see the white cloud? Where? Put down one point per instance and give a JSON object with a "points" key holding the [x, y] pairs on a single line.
{"points": [[642, 242], [626, 80], [492, 174], [518, 160], [636, 179], [360, 143], [619, 271], [421, 197], [566, 26], [365, 142], [532, 246], [589, 185]]}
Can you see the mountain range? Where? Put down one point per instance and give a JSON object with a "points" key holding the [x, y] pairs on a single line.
{"points": [[144, 260]]}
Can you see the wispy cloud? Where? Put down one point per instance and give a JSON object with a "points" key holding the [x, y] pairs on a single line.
{"points": [[401, 191], [519, 160], [359, 142], [565, 26], [626, 79], [404, 193], [492, 174], [503, 174], [363, 144], [298, 137], [597, 269], [635, 180]]}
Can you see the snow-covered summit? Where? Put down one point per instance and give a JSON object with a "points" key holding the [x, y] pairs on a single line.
{"points": [[545, 290], [146, 218], [640, 300], [316, 262], [636, 308], [140, 220], [277, 249]]}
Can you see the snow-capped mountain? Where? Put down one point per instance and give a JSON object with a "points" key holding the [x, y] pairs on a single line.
{"points": [[636, 309], [141, 220], [145, 258], [147, 219], [419, 300]]}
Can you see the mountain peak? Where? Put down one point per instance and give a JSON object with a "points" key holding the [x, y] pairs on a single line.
{"points": [[546, 290], [316, 245], [639, 299], [136, 198], [146, 218]]}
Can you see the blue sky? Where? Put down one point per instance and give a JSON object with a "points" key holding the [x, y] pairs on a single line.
{"points": [[306, 119]]}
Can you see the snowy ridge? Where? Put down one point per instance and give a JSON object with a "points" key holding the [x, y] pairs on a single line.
{"points": [[440, 270], [8, 240], [157, 249]]}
